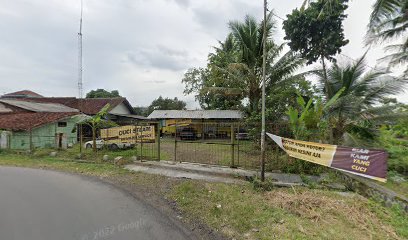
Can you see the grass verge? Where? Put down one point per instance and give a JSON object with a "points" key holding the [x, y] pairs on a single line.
{"points": [[240, 212]]}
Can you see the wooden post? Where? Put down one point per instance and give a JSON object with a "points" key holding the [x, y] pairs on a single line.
{"points": [[232, 146]]}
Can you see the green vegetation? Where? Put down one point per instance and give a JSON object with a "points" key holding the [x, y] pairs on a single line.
{"points": [[102, 93], [233, 72], [388, 22], [397, 149], [245, 212], [241, 212], [317, 32], [165, 104], [148, 151]]}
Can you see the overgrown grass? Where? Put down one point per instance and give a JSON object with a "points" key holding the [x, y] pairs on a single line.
{"points": [[397, 149], [241, 212], [148, 151]]}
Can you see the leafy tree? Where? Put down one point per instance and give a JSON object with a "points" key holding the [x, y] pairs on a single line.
{"points": [[141, 111], [389, 21], [281, 97], [212, 92], [316, 32], [102, 93], [166, 104]]}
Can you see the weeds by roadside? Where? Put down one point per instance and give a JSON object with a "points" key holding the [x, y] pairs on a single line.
{"points": [[250, 211]]}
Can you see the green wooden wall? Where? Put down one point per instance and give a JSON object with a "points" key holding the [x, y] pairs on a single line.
{"points": [[45, 136]]}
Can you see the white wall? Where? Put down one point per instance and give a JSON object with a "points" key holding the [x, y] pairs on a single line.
{"points": [[120, 109]]}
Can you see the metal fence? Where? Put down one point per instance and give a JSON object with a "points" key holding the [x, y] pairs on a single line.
{"points": [[231, 144], [234, 144]]}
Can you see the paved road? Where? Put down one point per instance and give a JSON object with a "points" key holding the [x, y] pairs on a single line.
{"points": [[46, 205]]}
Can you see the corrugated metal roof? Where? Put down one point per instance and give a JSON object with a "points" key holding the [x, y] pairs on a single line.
{"points": [[39, 107], [130, 116], [196, 114]]}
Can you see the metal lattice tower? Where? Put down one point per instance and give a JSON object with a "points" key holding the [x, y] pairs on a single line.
{"points": [[80, 90]]}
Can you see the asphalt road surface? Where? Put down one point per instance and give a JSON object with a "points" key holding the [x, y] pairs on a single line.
{"points": [[47, 205]]}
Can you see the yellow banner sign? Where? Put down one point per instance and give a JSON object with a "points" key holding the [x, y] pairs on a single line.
{"points": [[129, 134]]}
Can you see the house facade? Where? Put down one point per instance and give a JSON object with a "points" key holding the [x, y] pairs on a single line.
{"points": [[29, 120], [29, 125]]}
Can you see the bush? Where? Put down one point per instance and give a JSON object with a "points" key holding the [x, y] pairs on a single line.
{"points": [[258, 185], [397, 149]]}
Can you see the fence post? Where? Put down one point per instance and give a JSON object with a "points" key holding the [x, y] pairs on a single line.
{"points": [[158, 140], [135, 130], [175, 143], [232, 146], [141, 142]]}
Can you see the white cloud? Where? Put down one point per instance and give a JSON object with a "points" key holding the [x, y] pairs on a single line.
{"points": [[140, 47]]}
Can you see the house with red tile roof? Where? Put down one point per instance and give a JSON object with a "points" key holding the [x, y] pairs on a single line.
{"points": [[29, 125], [29, 120], [22, 94]]}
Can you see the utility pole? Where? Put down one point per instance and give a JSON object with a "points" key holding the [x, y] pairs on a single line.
{"points": [[80, 77], [263, 95]]}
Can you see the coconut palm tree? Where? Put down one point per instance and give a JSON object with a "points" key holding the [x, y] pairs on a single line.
{"points": [[247, 69], [389, 21], [355, 110], [233, 76]]}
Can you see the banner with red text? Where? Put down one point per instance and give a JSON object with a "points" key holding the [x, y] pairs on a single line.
{"points": [[369, 163]]}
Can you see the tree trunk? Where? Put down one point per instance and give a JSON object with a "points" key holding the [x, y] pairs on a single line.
{"points": [[327, 94], [326, 82]]}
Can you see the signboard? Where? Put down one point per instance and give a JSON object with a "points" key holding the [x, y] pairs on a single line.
{"points": [[178, 122], [129, 134], [369, 163]]}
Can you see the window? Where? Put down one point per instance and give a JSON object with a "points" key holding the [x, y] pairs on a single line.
{"points": [[62, 124]]}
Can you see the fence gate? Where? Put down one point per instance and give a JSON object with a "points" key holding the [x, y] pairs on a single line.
{"points": [[203, 142], [145, 148]]}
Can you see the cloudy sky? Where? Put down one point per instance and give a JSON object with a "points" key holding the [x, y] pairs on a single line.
{"points": [[139, 47]]}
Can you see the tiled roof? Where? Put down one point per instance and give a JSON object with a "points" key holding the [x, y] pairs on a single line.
{"points": [[24, 93], [25, 121], [90, 106], [195, 114], [38, 107]]}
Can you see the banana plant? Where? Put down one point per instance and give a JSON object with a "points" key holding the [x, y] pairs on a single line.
{"points": [[311, 123]]}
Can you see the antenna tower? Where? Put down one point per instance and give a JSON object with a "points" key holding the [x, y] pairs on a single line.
{"points": [[80, 91]]}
